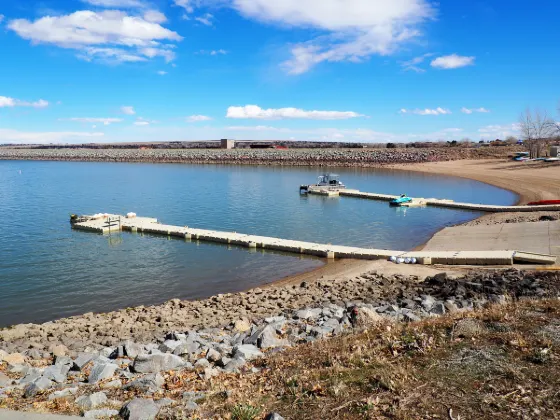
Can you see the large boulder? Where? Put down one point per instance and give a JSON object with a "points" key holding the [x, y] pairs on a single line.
{"points": [[365, 317], [150, 383], [139, 409], [82, 360], [247, 352], [36, 387], [133, 350], [153, 363], [103, 413], [101, 371], [88, 402], [56, 373]]}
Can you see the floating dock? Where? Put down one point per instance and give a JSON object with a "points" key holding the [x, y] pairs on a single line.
{"points": [[448, 203], [107, 223]]}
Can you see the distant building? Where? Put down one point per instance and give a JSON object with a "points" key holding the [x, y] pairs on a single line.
{"points": [[554, 151], [227, 144]]}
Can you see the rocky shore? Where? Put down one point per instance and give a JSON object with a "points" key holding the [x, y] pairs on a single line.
{"points": [[164, 360], [291, 157]]}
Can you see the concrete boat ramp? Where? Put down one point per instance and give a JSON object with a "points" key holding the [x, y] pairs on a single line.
{"points": [[107, 223]]}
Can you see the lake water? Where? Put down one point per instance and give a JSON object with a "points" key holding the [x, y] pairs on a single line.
{"points": [[48, 271]]}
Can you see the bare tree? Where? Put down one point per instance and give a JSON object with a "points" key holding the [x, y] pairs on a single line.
{"points": [[536, 129]]}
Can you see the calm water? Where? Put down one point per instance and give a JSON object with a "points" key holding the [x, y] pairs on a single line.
{"points": [[48, 270]]}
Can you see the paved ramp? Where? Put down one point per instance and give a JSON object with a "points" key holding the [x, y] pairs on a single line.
{"points": [[528, 238]]}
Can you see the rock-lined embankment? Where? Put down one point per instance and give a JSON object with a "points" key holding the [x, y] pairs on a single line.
{"points": [[292, 157], [99, 365]]}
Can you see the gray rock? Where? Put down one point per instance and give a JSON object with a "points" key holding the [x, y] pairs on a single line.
{"points": [[133, 350], [308, 313], [82, 360], [63, 393], [169, 345], [116, 383], [102, 413], [101, 371], [247, 352], [234, 364], [157, 363], [427, 302], [149, 384], [31, 375], [4, 380], [2, 355], [224, 360], [36, 387], [139, 409], [56, 373], [190, 406], [209, 372], [438, 309], [268, 339], [213, 355], [187, 349], [203, 363], [274, 416], [33, 354], [88, 402], [107, 352]]}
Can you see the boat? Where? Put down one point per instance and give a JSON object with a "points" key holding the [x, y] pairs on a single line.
{"points": [[402, 200], [326, 183], [545, 203]]}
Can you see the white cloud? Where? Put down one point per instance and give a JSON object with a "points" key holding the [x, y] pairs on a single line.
{"points": [[256, 112], [471, 110], [205, 19], [198, 118], [141, 123], [218, 52], [15, 136], [426, 111], [1, 18], [452, 61], [11, 102], [108, 35], [162, 72], [122, 4], [128, 110], [104, 121], [155, 16], [355, 29]]}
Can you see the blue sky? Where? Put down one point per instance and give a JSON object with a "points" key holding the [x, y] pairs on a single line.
{"points": [[344, 70]]}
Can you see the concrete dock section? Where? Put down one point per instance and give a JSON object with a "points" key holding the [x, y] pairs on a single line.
{"points": [[107, 223], [435, 202]]}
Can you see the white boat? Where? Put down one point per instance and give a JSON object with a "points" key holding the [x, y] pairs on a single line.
{"points": [[327, 184]]}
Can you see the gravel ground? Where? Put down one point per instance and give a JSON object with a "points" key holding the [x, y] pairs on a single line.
{"points": [[293, 157]]}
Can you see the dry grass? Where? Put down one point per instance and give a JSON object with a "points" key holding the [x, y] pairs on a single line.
{"points": [[508, 369]]}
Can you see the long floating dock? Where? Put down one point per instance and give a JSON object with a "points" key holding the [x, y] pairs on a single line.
{"points": [[447, 203], [107, 223]]}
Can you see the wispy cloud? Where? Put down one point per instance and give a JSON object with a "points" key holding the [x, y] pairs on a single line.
{"points": [[426, 111], [473, 110], [104, 121], [256, 112], [162, 72], [198, 118], [128, 110], [413, 64], [7, 102], [452, 61], [117, 4], [44, 137], [206, 19]]}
